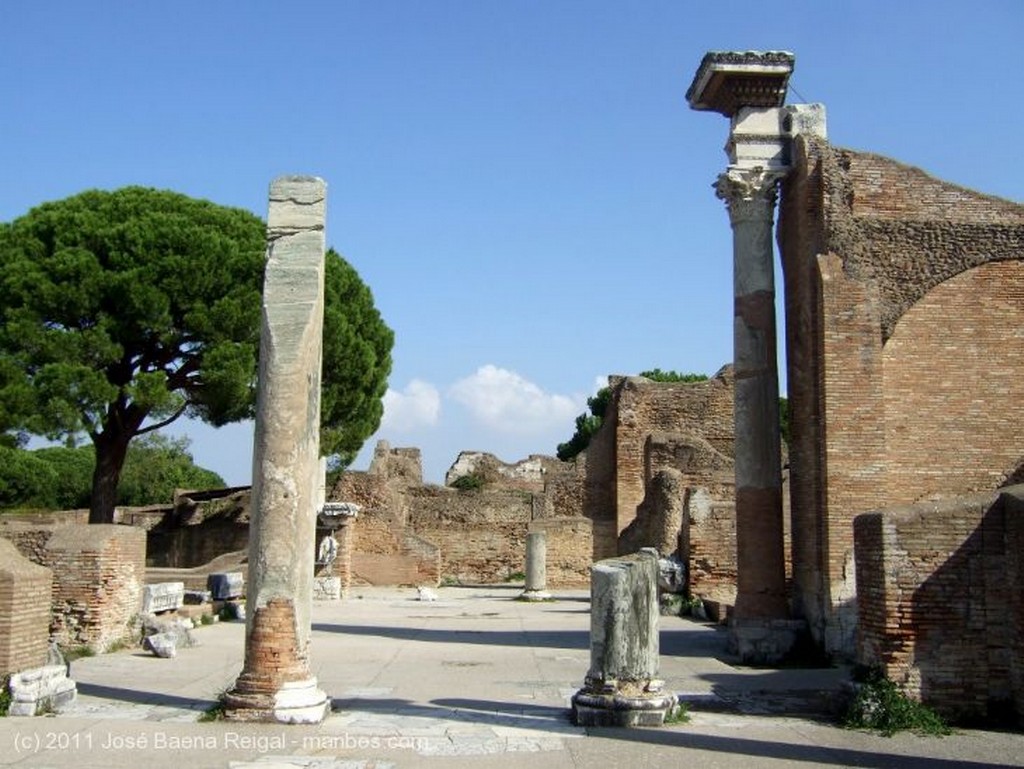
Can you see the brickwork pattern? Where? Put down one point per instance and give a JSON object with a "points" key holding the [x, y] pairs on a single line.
{"points": [[98, 576], [684, 427], [938, 588], [273, 656], [569, 545], [902, 294], [24, 619]]}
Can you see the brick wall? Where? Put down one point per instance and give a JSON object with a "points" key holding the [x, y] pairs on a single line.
{"points": [[414, 533], [903, 299], [939, 588], [684, 427], [99, 572], [24, 618], [569, 545], [481, 533]]}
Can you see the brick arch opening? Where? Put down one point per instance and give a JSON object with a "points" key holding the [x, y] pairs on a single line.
{"points": [[953, 394]]}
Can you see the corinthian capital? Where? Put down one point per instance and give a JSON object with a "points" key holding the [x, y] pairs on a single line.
{"points": [[749, 193]]}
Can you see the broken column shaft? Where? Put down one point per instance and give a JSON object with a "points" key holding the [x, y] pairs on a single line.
{"points": [[276, 683], [621, 687], [536, 567]]}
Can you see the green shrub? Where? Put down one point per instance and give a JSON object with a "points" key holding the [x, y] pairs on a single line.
{"points": [[470, 482], [881, 706], [5, 695]]}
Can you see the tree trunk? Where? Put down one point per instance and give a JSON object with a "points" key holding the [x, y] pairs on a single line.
{"points": [[111, 449]]}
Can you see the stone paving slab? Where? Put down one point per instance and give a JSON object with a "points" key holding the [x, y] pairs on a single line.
{"points": [[475, 679]]}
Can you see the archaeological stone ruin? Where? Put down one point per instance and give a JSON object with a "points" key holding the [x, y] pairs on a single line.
{"points": [[887, 531]]}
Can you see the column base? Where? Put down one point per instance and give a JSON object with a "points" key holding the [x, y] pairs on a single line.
{"points": [[626, 707], [535, 595], [764, 641], [296, 702]]}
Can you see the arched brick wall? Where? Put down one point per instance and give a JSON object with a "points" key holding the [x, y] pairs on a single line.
{"points": [[953, 390]]}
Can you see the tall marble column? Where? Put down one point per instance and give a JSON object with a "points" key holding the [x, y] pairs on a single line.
{"points": [[276, 683], [749, 194]]}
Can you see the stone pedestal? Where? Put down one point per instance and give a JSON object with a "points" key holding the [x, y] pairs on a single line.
{"points": [[276, 683], [42, 690], [536, 567], [163, 596], [225, 586], [622, 687]]}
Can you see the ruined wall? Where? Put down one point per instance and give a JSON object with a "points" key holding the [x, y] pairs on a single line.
{"points": [[659, 518], [193, 533], [24, 618], [98, 574], [99, 571], [684, 427], [527, 475], [939, 588], [414, 533], [902, 298], [481, 533], [569, 547]]}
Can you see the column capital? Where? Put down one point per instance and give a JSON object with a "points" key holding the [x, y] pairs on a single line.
{"points": [[749, 193]]}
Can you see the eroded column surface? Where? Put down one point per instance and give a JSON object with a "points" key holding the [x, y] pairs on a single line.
{"points": [[750, 195], [622, 687], [536, 567], [276, 683]]}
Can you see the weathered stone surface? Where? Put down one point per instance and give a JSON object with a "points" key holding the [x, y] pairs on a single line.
{"points": [[178, 629], [536, 567], [41, 690], [622, 688], [162, 645], [225, 586], [327, 588], [624, 618], [197, 597], [275, 683], [163, 596]]}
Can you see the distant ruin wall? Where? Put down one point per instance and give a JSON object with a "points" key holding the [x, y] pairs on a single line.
{"points": [[903, 298], [939, 590], [569, 547], [481, 534]]}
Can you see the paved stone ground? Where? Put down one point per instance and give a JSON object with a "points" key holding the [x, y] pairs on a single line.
{"points": [[475, 679]]}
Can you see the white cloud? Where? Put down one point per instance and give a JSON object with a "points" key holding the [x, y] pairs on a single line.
{"points": [[503, 400], [418, 405]]}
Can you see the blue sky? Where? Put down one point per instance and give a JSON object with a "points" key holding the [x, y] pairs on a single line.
{"points": [[520, 183]]}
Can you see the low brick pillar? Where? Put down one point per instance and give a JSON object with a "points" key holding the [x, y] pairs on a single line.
{"points": [[24, 611], [99, 571]]}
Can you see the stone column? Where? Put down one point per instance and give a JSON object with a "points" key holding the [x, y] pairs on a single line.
{"points": [[276, 683], [536, 567], [750, 195], [621, 687]]}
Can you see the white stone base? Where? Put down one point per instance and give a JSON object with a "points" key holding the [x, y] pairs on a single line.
{"points": [[301, 702], [326, 588], [535, 595], [41, 690]]}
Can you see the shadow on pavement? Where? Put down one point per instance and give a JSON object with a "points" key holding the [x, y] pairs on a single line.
{"points": [[760, 750], [555, 639], [143, 698]]}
